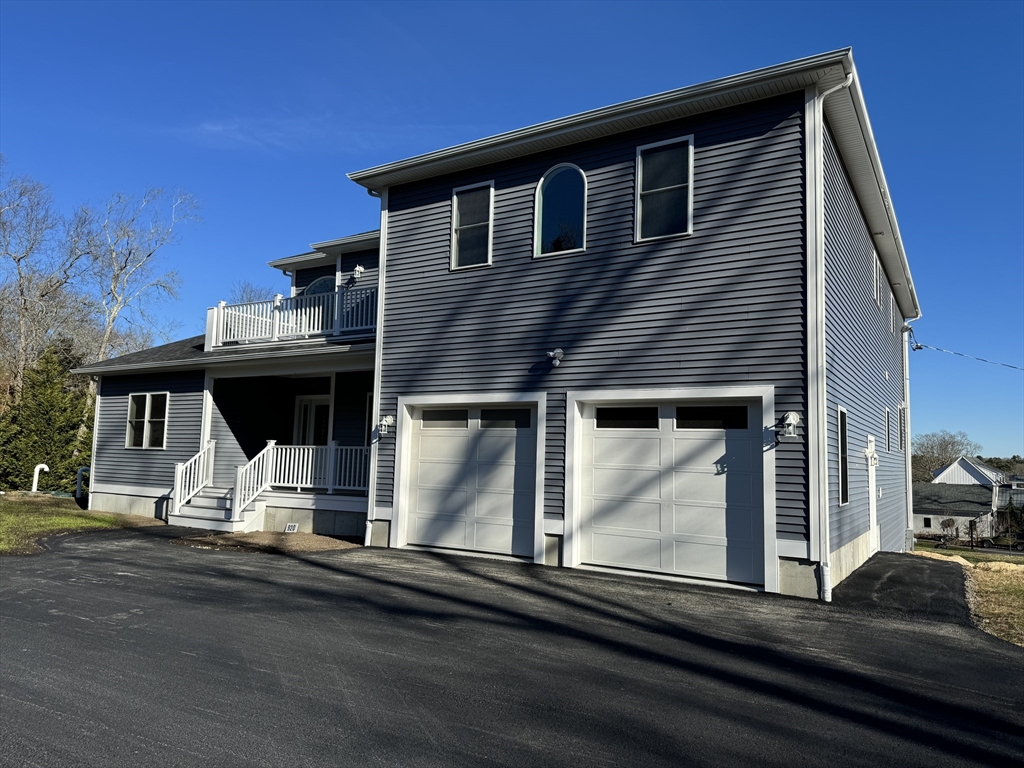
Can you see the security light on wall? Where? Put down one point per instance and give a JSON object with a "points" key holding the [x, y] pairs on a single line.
{"points": [[385, 424], [358, 271], [556, 356], [786, 426]]}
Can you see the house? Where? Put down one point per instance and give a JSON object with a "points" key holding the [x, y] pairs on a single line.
{"points": [[963, 504], [665, 337], [969, 471]]}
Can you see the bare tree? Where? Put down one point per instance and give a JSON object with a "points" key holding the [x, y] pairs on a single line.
{"points": [[935, 450], [127, 239], [243, 292], [41, 255]]}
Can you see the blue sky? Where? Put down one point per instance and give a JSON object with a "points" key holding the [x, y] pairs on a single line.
{"points": [[259, 109]]}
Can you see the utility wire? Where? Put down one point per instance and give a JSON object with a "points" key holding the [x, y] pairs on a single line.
{"points": [[916, 345]]}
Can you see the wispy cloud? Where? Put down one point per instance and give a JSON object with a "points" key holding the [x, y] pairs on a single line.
{"points": [[318, 134]]}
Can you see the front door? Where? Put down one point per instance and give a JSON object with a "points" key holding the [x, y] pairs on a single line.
{"points": [[312, 420]]}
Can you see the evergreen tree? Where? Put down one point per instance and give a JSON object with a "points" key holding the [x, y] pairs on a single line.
{"points": [[46, 425]]}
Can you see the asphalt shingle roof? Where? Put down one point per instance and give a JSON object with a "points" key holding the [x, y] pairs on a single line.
{"points": [[179, 354], [939, 498]]}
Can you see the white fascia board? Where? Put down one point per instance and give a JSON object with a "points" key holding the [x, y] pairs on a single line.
{"points": [[855, 140], [255, 355], [748, 86]]}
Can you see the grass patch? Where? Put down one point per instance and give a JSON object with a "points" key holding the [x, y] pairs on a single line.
{"points": [[25, 518], [973, 556]]}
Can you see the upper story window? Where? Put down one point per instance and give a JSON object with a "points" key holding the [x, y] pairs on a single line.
{"points": [[320, 285], [844, 458], [147, 420], [664, 189], [472, 213], [561, 207]]}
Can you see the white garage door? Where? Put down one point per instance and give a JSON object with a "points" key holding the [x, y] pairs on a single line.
{"points": [[674, 488], [472, 479]]}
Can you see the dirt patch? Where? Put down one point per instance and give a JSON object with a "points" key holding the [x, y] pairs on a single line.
{"points": [[266, 541], [937, 556]]}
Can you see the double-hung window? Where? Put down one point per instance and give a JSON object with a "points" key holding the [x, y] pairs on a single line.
{"points": [[664, 189], [472, 213], [147, 420]]}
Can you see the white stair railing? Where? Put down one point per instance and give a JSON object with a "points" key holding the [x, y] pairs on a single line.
{"points": [[192, 476], [252, 479]]}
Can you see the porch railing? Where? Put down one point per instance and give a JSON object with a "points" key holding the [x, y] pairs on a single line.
{"points": [[319, 314], [302, 467], [332, 467], [193, 475]]}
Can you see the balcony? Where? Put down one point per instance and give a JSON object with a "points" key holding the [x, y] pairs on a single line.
{"points": [[350, 311]]}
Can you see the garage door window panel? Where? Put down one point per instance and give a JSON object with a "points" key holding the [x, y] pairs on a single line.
{"points": [[711, 417], [505, 418], [628, 418], [445, 419]]}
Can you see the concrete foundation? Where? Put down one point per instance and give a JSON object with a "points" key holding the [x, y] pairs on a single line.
{"points": [[799, 578]]}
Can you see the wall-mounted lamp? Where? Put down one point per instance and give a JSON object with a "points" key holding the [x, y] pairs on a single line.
{"points": [[556, 356], [358, 271], [385, 424], [786, 426]]}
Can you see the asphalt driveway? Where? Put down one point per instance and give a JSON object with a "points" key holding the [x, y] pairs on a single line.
{"points": [[119, 649]]}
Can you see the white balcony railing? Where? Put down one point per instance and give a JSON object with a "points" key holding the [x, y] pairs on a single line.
{"points": [[318, 314]]}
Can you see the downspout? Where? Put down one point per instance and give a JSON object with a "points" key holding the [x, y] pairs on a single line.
{"points": [[907, 457], [824, 543], [371, 490]]}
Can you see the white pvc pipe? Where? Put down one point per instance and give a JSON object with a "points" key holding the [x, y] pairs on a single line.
{"points": [[35, 476]]}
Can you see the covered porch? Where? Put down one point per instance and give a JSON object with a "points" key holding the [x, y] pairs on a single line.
{"points": [[281, 449]]}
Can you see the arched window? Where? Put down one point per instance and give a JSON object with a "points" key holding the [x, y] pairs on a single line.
{"points": [[320, 285], [561, 211]]}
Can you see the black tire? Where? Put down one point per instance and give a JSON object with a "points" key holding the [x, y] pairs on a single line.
{"points": [[985, 544], [1019, 546]]}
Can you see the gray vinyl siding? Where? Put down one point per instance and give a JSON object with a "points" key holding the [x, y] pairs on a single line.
{"points": [[118, 465], [725, 306], [303, 277], [860, 348], [368, 260]]}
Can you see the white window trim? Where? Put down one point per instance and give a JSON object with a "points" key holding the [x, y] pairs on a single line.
{"points": [[490, 226], [537, 197], [902, 427], [874, 279], [638, 183], [888, 431], [145, 428], [842, 415]]}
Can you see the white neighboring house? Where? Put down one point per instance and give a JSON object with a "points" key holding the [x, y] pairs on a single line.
{"points": [[968, 471], [961, 503]]}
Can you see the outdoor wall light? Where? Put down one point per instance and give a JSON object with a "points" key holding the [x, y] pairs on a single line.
{"points": [[786, 426], [385, 424], [358, 271], [556, 356]]}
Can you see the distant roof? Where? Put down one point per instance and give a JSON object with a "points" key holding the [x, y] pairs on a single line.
{"points": [[960, 500], [188, 353], [845, 110], [991, 472]]}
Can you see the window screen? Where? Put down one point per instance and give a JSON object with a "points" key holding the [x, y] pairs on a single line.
{"points": [[505, 418], [628, 418], [664, 190], [147, 420], [136, 421], [711, 417], [472, 226], [451, 418]]}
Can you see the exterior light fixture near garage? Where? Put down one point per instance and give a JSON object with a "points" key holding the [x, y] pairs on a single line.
{"points": [[786, 426], [556, 356], [385, 424]]}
